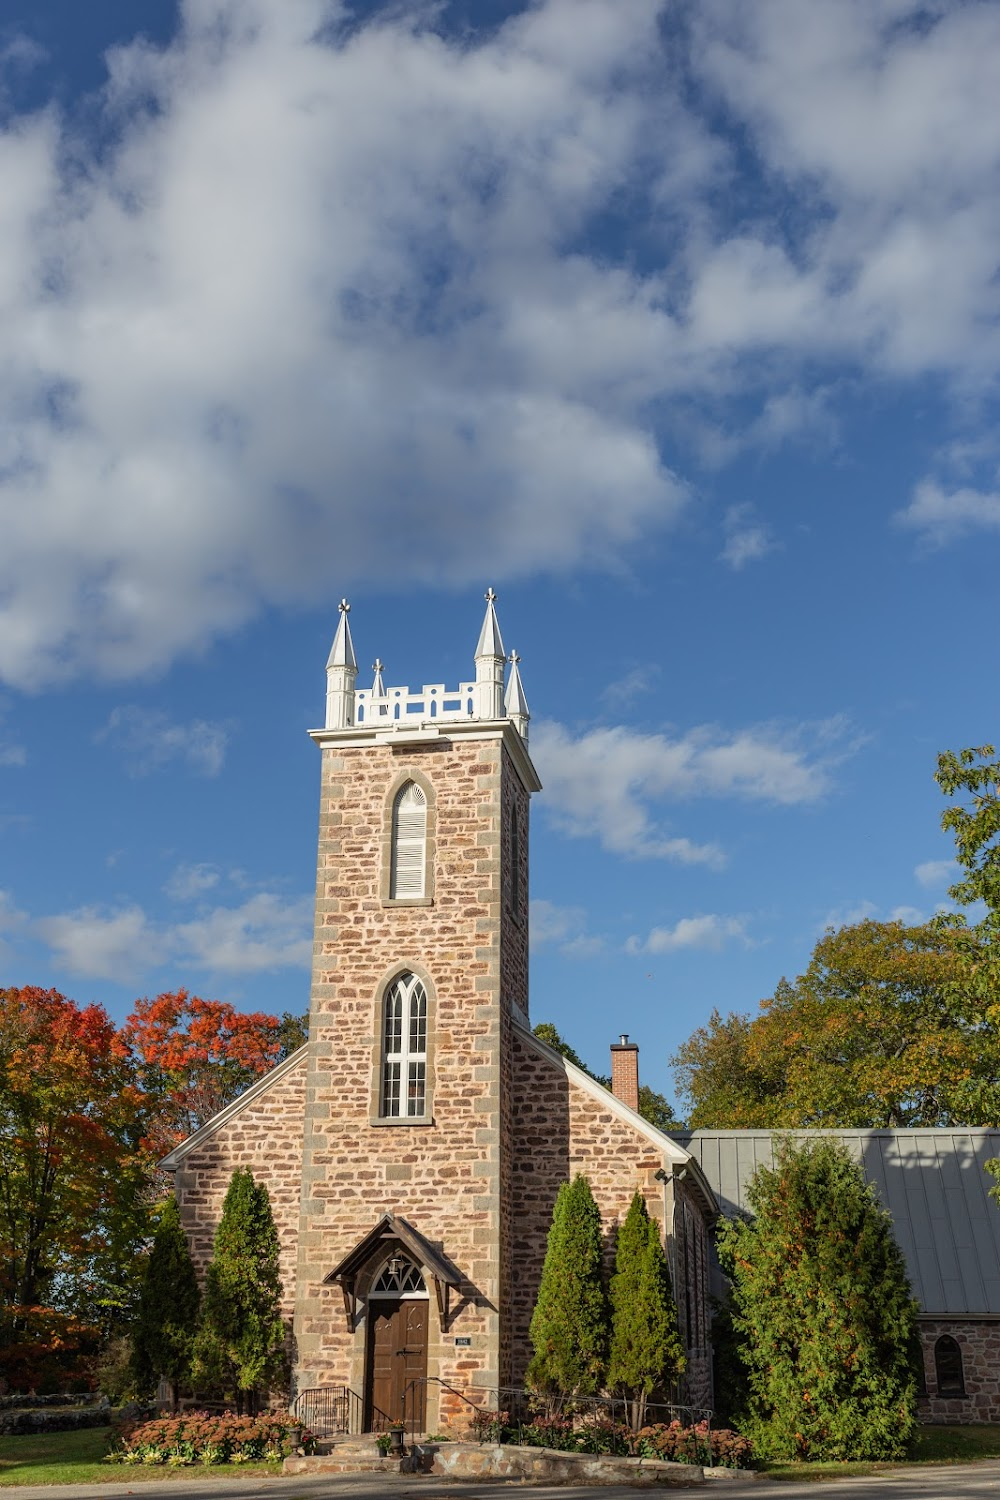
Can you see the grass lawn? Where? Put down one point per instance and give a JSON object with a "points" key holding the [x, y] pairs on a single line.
{"points": [[933, 1445], [76, 1458]]}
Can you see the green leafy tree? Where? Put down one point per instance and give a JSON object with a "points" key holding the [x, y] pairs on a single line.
{"points": [[167, 1316], [569, 1327], [240, 1344], [823, 1311], [653, 1107], [975, 823], [882, 1030], [646, 1351]]}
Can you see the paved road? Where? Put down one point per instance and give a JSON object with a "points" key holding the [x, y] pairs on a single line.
{"points": [[927, 1482]]}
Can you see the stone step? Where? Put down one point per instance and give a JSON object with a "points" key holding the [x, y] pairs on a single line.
{"points": [[342, 1463]]}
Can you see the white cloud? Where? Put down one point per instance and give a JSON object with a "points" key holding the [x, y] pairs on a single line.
{"points": [[606, 783], [265, 933], [188, 882], [936, 872], [563, 927], [942, 516], [710, 932], [747, 540], [910, 916], [325, 303], [149, 740], [96, 944], [849, 915]]}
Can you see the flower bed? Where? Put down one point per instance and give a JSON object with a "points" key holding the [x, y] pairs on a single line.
{"points": [[200, 1438], [568, 1433]]}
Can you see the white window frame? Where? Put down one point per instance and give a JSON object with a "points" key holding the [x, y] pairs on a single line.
{"points": [[403, 1091]]}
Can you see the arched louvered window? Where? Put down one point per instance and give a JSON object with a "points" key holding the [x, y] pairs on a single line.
{"points": [[948, 1367], [409, 843], [404, 1049]]}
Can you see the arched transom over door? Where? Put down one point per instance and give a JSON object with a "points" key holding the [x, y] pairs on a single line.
{"points": [[398, 1309]]}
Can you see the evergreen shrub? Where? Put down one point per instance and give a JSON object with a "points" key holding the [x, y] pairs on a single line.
{"points": [[569, 1327], [822, 1311]]}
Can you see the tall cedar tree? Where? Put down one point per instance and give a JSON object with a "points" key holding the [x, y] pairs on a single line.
{"points": [[240, 1345], [167, 1317], [646, 1350], [569, 1327], [823, 1310]]}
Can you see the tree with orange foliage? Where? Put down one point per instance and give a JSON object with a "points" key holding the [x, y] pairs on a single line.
{"points": [[882, 1030], [195, 1056], [72, 1174]]}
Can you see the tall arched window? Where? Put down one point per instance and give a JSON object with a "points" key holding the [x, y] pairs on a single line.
{"points": [[409, 843], [515, 863], [948, 1367], [404, 1049]]}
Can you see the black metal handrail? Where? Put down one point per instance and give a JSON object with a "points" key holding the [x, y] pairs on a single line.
{"points": [[416, 1407], [337, 1411]]}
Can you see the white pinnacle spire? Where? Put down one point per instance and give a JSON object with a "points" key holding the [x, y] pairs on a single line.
{"points": [[515, 703], [490, 658], [379, 697], [341, 670], [342, 650], [490, 643]]}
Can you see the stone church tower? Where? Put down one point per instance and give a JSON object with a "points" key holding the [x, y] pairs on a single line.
{"points": [[421, 964], [413, 1149]]}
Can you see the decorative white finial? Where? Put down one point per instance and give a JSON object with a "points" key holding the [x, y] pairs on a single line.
{"points": [[515, 704], [344, 607], [490, 596]]}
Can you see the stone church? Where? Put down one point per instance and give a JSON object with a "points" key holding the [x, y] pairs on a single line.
{"points": [[414, 1147]]}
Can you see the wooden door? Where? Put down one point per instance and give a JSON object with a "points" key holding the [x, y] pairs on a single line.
{"points": [[397, 1354]]}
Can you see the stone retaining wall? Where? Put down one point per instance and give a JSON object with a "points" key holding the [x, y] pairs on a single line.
{"points": [[548, 1466]]}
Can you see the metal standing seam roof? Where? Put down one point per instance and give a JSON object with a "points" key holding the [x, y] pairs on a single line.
{"points": [[934, 1184]]}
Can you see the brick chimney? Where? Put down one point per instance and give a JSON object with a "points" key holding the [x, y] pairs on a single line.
{"points": [[625, 1071]]}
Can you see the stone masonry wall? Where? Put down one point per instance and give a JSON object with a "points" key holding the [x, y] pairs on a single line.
{"points": [[561, 1130], [980, 1346], [443, 1176], [265, 1136]]}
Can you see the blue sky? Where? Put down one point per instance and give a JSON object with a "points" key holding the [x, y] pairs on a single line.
{"points": [[676, 323]]}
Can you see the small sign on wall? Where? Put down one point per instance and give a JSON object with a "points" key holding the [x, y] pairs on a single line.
{"points": [[463, 1343]]}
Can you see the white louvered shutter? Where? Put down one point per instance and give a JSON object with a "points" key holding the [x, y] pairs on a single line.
{"points": [[409, 842]]}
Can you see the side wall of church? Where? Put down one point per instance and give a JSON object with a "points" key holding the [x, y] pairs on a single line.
{"points": [[560, 1129], [265, 1136], [444, 1176], [979, 1342]]}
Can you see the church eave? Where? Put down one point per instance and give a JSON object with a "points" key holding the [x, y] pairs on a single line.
{"points": [[174, 1158], [679, 1161]]}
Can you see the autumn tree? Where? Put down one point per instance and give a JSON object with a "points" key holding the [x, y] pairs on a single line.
{"points": [[240, 1344], [653, 1107], [167, 1314], [195, 1056], [72, 1174], [646, 1353], [822, 1310], [569, 1326], [882, 1030]]}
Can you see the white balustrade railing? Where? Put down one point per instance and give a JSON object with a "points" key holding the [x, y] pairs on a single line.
{"points": [[400, 706]]}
